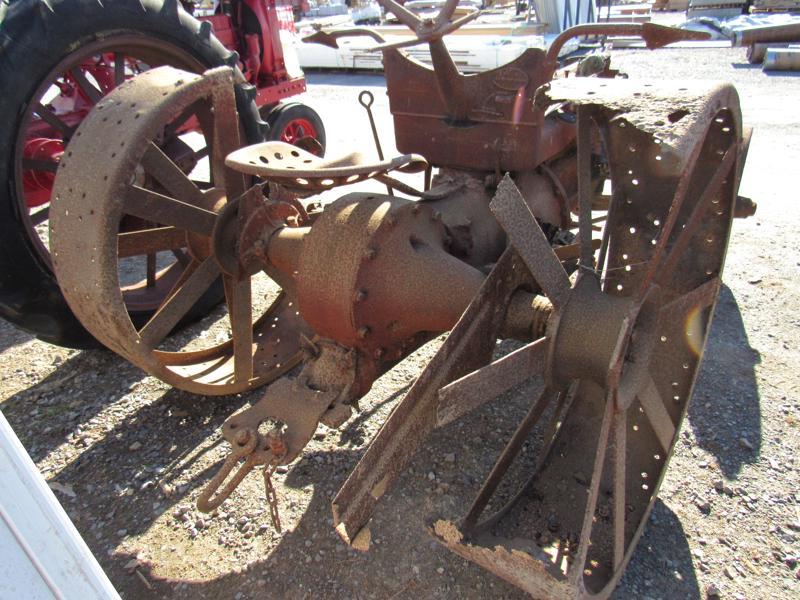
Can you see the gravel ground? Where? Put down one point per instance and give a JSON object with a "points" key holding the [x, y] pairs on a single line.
{"points": [[127, 454]]}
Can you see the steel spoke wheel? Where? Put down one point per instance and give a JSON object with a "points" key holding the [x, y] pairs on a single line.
{"points": [[139, 180], [619, 360]]}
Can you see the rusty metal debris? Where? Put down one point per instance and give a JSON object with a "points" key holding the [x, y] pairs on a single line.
{"points": [[586, 217]]}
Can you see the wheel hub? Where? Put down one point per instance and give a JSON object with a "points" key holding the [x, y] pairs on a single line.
{"points": [[605, 338]]}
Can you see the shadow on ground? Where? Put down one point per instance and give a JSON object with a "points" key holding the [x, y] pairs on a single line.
{"points": [[119, 487], [725, 413]]}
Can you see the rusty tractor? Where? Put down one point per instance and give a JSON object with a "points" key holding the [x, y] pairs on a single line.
{"points": [[582, 214]]}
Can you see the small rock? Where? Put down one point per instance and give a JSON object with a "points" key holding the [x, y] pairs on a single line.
{"points": [[415, 569], [122, 532], [712, 591], [704, 506], [432, 476], [135, 446], [450, 458], [282, 469], [192, 532], [147, 485], [729, 573], [440, 570], [745, 443], [200, 524]]}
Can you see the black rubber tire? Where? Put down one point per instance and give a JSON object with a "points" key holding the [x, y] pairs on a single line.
{"points": [[283, 114], [35, 36]]}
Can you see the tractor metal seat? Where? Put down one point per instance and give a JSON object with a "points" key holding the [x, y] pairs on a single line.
{"points": [[296, 169]]}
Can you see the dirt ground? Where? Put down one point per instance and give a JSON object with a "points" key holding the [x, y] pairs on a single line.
{"points": [[127, 454]]}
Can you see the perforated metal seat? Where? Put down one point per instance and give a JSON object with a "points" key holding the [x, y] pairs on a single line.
{"points": [[297, 169]]}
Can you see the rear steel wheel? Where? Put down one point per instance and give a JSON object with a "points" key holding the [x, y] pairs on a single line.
{"points": [[619, 361], [182, 214]]}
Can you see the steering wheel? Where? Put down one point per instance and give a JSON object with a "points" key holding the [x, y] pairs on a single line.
{"points": [[427, 29]]}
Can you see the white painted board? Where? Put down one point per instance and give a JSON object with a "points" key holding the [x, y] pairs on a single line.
{"points": [[42, 555]]}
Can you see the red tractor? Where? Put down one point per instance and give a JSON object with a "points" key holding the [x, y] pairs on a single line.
{"points": [[57, 59]]}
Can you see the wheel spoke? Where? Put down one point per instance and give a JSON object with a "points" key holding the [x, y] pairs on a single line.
{"points": [[526, 235], [240, 313], [585, 191], [657, 414], [181, 119], [119, 69], [151, 270], [91, 92], [179, 303], [507, 456], [485, 384], [696, 219], [620, 449], [181, 256], [164, 210], [700, 297], [681, 191], [147, 241], [594, 487], [46, 166], [49, 117], [169, 175], [40, 216]]}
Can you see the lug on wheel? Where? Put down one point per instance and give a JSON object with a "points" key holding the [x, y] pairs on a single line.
{"points": [[135, 178], [621, 351]]}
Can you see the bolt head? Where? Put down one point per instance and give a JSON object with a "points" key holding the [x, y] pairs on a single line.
{"points": [[242, 437]]}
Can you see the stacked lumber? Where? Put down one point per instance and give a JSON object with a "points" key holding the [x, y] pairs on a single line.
{"points": [[670, 5], [720, 9], [775, 6]]}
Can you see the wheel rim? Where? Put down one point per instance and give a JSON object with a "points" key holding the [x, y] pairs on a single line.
{"points": [[247, 348], [87, 74], [298, 129], [605, 429]]}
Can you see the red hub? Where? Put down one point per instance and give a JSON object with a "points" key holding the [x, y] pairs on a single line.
{"points": [[298, 129]]}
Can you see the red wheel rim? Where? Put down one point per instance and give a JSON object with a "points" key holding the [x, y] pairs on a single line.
{"points": [[297, 129]]}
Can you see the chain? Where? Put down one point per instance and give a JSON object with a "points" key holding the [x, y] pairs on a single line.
{"points": [[272, 497]]}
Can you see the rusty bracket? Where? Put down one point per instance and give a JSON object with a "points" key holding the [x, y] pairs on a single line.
{"points": [[289, 402]]}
